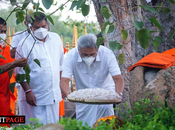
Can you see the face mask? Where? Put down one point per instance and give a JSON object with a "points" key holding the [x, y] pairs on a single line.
{"points": [[41, 33], [88, 60], [2, 37]]}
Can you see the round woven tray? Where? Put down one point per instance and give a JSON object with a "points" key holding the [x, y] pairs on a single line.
{"points": [[93, 101]]}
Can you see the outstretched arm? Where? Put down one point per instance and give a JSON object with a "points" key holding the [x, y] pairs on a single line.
{"points": [[17, 63], [65, 86], [119, 84]]}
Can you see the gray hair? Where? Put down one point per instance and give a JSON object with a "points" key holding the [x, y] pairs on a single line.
{"points": [[87, 41]]}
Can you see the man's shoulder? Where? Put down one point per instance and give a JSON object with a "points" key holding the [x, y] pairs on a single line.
{"points": [[104, 49], [53, 34]]}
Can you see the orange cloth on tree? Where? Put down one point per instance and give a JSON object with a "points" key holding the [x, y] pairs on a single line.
{"points": [[4, 84], [157, 60]]}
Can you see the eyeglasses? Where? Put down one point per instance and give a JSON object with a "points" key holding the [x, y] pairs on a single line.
{"points": [[87, 55]]}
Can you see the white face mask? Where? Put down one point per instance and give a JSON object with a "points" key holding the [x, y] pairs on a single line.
{"points": [[2, 37], [88, 60], [41, 33]]}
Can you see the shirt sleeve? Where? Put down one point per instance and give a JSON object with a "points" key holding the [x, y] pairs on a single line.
{"points": [[20, 52], [15, 40], [113, 64], [68, 66], [62, 56]]}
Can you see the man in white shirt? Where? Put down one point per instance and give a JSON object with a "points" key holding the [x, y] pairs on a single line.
{"points": [[43, 92], [91, 67]]}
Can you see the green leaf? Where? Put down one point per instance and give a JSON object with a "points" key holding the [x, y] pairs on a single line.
{"points": [[17, 21], [160, 4], [80, 3], [20, 15], [121, 58], [144, 37], [27, 69], [28, 78], [171, 1], [105, 31], [13, 2], [10, 74], [105, 12], [171, 35], [74, 3], [155, 22], [155, 44], [99, 41], [25, 4], [111, 26], [12, 87], [124, 34], [41, 9], [154, 31], [50, 19], [138, 25], [85, 9], [47, 3], [20, 77], [158, 39], [0, 71], [148, 8], [37, 61], [166, 10], [115, 45], [2, 57]]}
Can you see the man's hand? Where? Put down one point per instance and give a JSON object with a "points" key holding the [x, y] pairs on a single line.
{"points": [[21, 62], [30, 98]]}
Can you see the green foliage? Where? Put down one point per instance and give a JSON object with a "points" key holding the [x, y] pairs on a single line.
{"points": [[155, 22], [171, 35], [171, 1], [27, 71], [13, 2], [20, 77], [138, 25], [105, 12], [149, 115], [100, 40], [146, 7], [2, 57], [10, 73], [115, 45], [85, 9], [144, 37], [50, 19], [37, 61], [166, 10], [124, 34], [34, 123], [73, 124], [111, 26], [12, 87], [121, 58], [47, 3]]}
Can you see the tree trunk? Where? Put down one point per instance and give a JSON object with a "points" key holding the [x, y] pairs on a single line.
{"points": [[123, 15]]}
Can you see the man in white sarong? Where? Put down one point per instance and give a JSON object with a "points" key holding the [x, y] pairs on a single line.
{"points": [[43, 92], [91, 67]]}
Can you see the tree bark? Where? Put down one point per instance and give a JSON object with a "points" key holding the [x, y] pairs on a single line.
{"points": [[123, 15]]}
